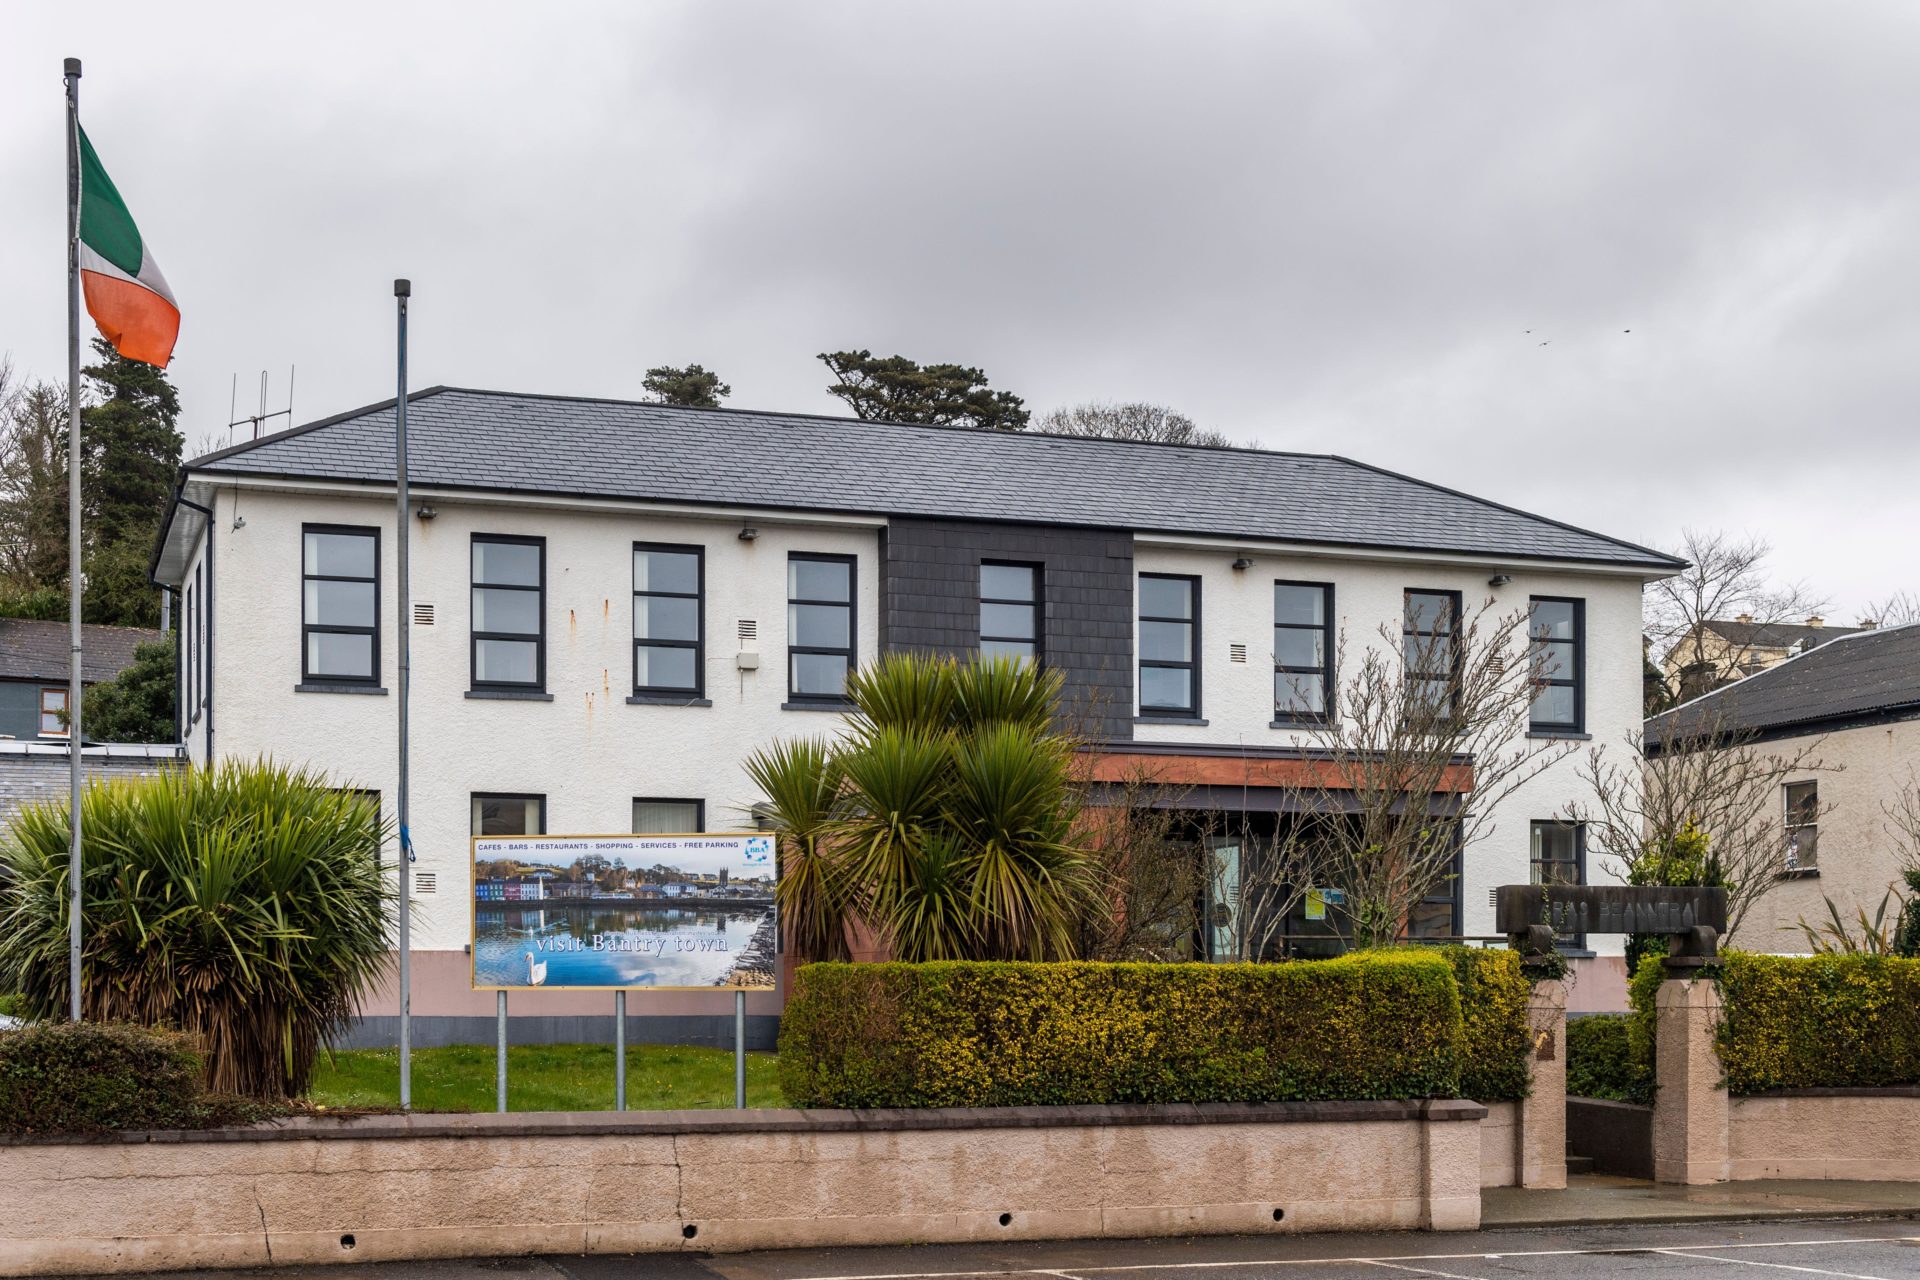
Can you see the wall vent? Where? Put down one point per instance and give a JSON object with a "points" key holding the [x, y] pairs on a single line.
{"points": [[749, 630], [1236, 653], [422, 615], [426, 882], [1493, 895]]}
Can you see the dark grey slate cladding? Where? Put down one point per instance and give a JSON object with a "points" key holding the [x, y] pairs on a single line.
{"points": [[930, 601]]}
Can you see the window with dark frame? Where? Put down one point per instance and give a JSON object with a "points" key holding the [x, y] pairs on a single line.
{"points": [[1430, 647], [1438, 914], [190, 656], [368, 793], [53, 710], [1302, 652], [1169, 643], [1009, 610], [1557, 642], [669, 619], [202, 651], [1803, 825], [1557, 855], [497, 813], [820, 626], [668, 817], [509, 625], [340, 619]]}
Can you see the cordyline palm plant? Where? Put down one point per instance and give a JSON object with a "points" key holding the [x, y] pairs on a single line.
{"points": [[944, 822], [242, 903]]}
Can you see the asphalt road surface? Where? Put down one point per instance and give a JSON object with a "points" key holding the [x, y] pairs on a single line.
{"points": [[1850, 1250]]}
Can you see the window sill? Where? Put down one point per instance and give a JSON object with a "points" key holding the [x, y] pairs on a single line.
{"points": [[839, 706], [1798, 873], [510, 695], [667, 700], [375, 690], [1168, 720], [1576, 952], [1560, 735], [1315, 723]]}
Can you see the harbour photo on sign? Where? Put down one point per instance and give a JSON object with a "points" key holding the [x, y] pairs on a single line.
{"points": [[659, 911]]}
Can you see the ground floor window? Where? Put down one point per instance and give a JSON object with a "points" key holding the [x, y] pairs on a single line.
{"points": [[497, 814], [53, 713], [668, 817]]}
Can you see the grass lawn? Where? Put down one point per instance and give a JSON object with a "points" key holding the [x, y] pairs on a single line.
{"points": [[559, 1077]]}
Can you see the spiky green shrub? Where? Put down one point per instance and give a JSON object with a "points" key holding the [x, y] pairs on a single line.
{"points": [[243, 904], [1382, 1024], [944, 821]]}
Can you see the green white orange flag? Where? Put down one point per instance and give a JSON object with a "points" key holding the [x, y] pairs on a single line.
{"points": [[126, 294]]}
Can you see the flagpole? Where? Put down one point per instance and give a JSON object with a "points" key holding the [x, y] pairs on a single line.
{"points": [[74, 736], [403, 625]]}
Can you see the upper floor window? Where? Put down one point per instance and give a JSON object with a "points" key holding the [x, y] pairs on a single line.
{"points": [[53, 713], [820, 625], [1803, 825], [1169, 626], [340, 622], [1009, 611], [1558, 856], [1556, 634], [190, 664], [496, 814], [1430, 638], [1302, 652], [509, 612], [668, 619]]}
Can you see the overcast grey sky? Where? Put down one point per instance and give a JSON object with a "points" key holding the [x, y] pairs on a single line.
{"points": [[1333, 227]]}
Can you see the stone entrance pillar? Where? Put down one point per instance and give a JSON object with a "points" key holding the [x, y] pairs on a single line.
{"points": [[1542, 1132], [1690, 1111]]}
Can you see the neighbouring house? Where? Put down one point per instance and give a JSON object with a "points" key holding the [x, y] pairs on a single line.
{"points": [[1858, 698], [614, 603], [1720, 650], [35, 661]]}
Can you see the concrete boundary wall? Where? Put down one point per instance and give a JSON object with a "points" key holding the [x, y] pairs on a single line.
{"points": [[411, 1187], [1862, 1134]]}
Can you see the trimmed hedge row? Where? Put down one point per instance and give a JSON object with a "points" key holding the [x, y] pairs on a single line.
{"points": [[1496, 1047], [1804, 1022], [1601, 1062], [81, 1078], [1373, 1025]]}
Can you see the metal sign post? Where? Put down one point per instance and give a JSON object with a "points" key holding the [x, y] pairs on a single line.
{"points": [[620, 1051], [739, 1050], [500, 1054]]}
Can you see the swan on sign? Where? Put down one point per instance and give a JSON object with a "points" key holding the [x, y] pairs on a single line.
{"points": [[536, 971]]}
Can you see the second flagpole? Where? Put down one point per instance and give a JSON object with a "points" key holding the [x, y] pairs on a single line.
{"points": [[402, 290], [74, 690]]}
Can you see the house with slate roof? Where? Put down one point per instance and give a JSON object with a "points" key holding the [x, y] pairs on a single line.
{"points": [[1717, 650], [613, 603], [35, 661], [1856, 700]]}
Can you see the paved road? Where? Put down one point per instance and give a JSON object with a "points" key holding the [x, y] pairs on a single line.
{"points": [[1850, 1250]]}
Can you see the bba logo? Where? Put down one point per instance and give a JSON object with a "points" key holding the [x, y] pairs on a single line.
{"points": [[759, 850]]}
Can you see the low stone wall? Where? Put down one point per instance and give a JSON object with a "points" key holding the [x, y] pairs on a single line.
{"points": [[1500, 1145], [409, 1187], [1865, 1134]]}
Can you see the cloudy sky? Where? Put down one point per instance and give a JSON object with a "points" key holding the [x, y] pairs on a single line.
{"points": [[1636, 266]]}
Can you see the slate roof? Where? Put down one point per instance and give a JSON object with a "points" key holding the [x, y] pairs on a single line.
{"points": [[1866, 675], [1773, 635], [463, 438], [33, 650]]}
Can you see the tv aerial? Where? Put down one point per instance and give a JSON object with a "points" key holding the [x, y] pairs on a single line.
{"points": [[257, 420]]}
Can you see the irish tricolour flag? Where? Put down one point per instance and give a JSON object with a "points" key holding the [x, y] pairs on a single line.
{"points": [[126, 294]]}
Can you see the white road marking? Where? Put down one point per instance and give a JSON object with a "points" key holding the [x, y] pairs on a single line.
{"points": [[1682, 1251], [1421, 1271], [1391, 1258]]}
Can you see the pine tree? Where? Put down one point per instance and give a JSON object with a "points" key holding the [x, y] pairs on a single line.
{"points": [[896, 389], [130, 451], [692, 387]]}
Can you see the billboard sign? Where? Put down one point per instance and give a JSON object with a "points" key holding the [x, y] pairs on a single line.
{"points": [[661, 912]]}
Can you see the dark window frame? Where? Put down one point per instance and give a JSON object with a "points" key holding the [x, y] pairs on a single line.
{"points": [[852, 606], [1577, 681], [1326, 668], [699, 642], [541, 796], [309, 628], [1191, 665], [1455, 656], [1578, 941], [699, 813], [1453, 891], [189, 637], [474, 635], [1037, 604]]}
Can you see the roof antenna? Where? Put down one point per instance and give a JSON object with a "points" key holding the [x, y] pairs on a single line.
{"points": [[261, 418]]}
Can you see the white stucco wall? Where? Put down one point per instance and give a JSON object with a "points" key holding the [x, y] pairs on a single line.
{"points": [[587, 750], [1237, 698]]}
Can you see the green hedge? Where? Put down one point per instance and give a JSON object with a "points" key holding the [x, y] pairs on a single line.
{"points": [[1375, 1025], [68, 1078], [1601, 1062], [1495, 1053], [1802, 1022]]}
